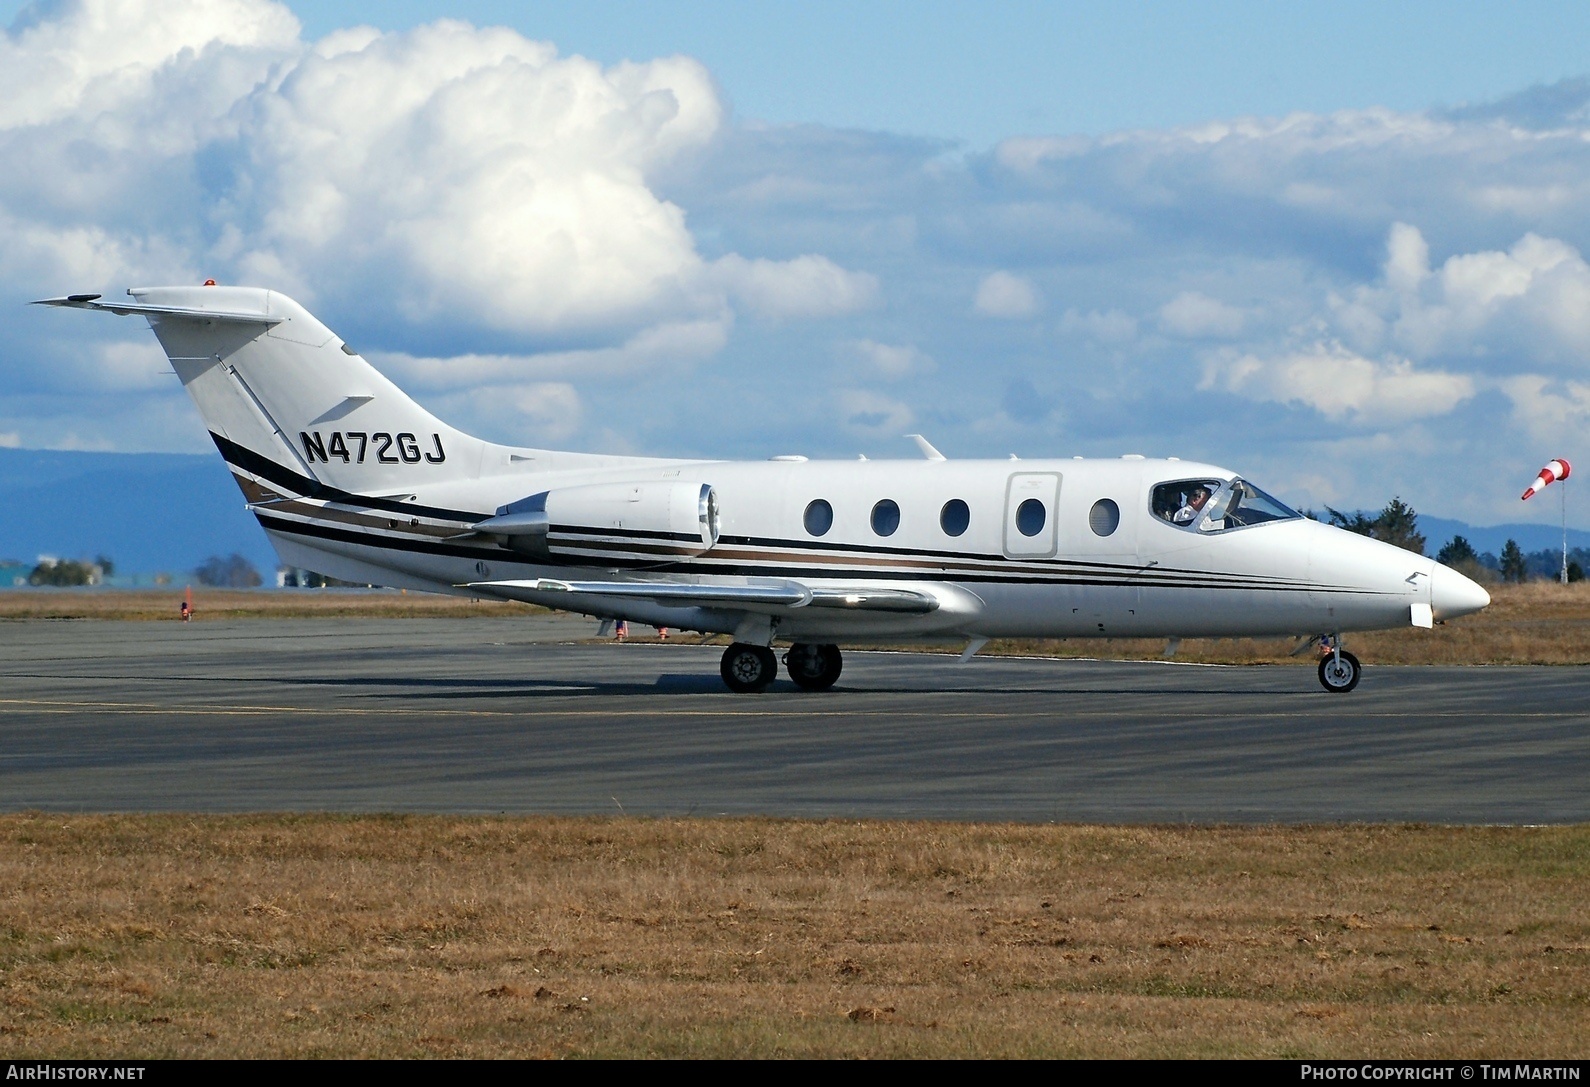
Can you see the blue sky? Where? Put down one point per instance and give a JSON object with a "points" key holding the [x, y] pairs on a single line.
{"points": [[1339, 248]]}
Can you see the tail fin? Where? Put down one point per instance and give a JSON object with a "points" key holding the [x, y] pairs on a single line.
{"points": [[285, 397]]}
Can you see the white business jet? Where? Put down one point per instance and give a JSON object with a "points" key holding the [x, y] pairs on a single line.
{"points": [[351, 478]]}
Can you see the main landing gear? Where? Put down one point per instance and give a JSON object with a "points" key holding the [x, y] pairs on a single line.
{"points": [[1339, 670], [813, 667], [750, 668]]}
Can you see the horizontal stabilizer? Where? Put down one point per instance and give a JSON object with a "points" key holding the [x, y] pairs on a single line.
{"points": [[122, 309]]}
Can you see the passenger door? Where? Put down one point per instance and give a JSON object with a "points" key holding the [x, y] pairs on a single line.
{"points": [[1031, 521]]}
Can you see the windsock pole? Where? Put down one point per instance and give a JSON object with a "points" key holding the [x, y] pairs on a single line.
{"points": [[1564, 494]]}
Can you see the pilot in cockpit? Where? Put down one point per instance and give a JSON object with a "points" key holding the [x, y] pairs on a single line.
{"points": [[1192, 505]]}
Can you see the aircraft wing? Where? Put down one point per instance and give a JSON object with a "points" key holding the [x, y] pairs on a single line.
{"points": [[763, 595]]}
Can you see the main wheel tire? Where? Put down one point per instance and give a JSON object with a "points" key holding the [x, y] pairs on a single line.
{"points": [[1341, 676], [813, 667], [748, 668]]}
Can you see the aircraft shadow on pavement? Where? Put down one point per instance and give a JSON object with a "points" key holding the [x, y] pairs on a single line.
{"points": [[705, 683]]}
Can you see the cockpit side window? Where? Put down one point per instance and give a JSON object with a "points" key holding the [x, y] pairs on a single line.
{"points": [[1214, 505], [1183, 502]]}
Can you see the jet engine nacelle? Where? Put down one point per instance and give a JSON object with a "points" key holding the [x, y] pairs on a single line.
{"points": [[655, 520]]}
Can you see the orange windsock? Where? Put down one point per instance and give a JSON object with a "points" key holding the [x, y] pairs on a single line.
{"points": [[1554, 470]]}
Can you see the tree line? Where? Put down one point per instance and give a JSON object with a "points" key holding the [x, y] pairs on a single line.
{"points": [[231, 571], [70, 572]]}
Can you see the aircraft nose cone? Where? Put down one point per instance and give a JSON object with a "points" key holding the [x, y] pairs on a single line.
{"points": [[1452, 594]]}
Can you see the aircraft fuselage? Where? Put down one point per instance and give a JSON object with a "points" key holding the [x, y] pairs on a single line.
{"points": [[351, 478]]}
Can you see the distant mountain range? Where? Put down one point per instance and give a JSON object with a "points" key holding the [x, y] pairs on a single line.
{"points": [[1438, 530], [150, 512], [168, 512]]}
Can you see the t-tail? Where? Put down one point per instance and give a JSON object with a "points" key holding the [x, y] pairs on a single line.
{"points": [[292, 408]]}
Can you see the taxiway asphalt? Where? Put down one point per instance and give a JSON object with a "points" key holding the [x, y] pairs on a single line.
{"points": [[487, 715]]}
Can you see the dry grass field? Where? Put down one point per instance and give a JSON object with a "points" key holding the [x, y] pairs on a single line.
{"points": [[328, 936], [1536, 623], [212, 604]]}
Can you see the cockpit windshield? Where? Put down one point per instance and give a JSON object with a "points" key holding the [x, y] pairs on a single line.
{"points": [[1214, 505]]}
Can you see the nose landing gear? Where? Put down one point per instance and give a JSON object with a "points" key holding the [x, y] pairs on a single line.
{"points": [[1339, 670]]}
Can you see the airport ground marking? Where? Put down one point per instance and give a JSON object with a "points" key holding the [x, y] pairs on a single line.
{"points": [[147, 709], [17, 706]]}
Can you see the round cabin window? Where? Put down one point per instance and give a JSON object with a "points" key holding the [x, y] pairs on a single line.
{"points": [[954, 517], [1030, 517], [1105, 517], [885, 517], [819, 517]]}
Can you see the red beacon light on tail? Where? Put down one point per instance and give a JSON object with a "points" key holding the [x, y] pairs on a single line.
{"points": [[1554, 470]]}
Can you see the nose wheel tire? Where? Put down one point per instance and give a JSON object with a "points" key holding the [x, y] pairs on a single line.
{"points": [[748, 668], [813, 667], [1339, 675]]}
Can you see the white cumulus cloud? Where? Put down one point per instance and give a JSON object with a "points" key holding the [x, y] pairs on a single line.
{"points": [[1106, 326], [667, 343], [538, 413], [1551, 410], [1534, 295], [1006, 295], [808, 286], [888, 360], [480, 174], [1197, 315], [1339, 384], [88, 57], [863, 411]]}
